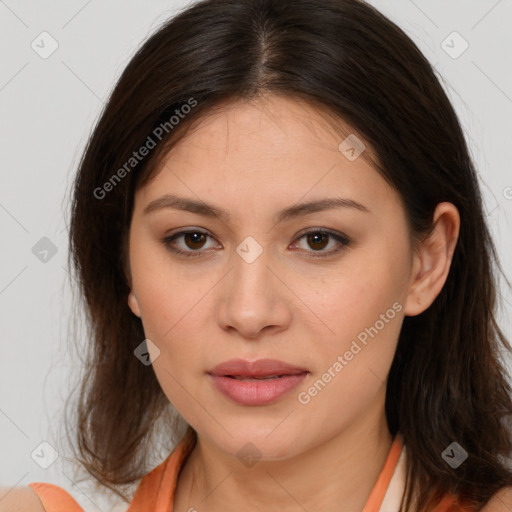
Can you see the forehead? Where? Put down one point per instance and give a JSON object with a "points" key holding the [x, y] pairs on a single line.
{"points": [[271, 123], [269, 147]]}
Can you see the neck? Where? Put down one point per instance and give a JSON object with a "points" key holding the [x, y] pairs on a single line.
{"points": [[338, 474]]}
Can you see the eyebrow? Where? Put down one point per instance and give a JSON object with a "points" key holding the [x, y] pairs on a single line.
{"points": [[208, 210]]}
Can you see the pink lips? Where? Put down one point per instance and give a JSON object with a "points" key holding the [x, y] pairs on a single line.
{"points": [[233, 379]]}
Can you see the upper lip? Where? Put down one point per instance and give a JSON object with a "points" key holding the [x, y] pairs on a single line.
{"points": [[258, 368]]}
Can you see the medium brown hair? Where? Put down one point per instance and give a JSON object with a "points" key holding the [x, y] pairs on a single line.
{"points": [[447, 381]]}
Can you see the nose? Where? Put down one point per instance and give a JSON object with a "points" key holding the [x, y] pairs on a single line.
{"points": [[254, 301]]}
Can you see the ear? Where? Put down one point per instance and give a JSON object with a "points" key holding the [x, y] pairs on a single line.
{"points": [[132, 300], [134, 305], [432, 260]]}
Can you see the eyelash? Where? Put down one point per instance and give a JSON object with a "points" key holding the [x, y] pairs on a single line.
{"points": [[342, 239]]}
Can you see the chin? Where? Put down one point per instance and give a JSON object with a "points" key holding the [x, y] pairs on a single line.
{"points": [[255, 444]]}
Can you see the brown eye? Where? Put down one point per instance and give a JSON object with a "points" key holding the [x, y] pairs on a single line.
{"points": [[192, 242], [194, 239], [318, 240]]}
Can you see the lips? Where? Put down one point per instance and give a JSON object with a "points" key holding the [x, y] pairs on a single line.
{"points": [[261, 369], [260, 382]]}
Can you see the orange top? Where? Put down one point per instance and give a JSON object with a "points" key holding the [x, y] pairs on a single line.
{"points": [[156, 490]]}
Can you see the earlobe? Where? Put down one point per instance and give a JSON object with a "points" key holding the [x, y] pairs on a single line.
{"points": [[133, 304], [432, 260]]}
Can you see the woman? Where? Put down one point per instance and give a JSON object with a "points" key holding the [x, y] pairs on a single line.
{"points": [[277, 229]]}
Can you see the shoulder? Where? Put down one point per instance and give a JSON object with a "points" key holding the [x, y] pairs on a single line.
{"points": [[19, 499], [500, 502]]}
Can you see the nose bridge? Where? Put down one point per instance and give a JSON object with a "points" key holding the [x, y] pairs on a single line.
{"points": [[251, 260], [252, 301]]}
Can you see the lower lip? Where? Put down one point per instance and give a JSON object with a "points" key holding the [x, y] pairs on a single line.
{"points": [[256, 392]]}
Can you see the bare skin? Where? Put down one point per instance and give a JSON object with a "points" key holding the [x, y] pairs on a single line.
{"points": [[253, 160]]}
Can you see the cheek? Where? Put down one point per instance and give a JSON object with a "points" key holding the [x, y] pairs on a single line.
{"points": [[363, 308], [159, 296], [362, 304], [171, 318], [354, 295], [170, 312]]}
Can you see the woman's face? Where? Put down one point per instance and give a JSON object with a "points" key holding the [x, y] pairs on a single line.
{"points": [[255, 285]]}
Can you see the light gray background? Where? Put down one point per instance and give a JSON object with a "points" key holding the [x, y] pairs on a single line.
{"points": [[47, 109]]}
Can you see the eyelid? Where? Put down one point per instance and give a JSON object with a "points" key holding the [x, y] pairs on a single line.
{"points": [[341, 238], [326, 231], [178, 234]]}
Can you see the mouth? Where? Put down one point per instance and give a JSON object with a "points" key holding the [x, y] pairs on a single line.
{"points": [[260, 369], [268, 377], [256, 383]]}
